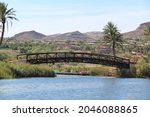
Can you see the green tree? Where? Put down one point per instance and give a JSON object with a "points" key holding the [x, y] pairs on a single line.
{"points": [[6, 15], [112, 37], [148, 57], [142, 68]]}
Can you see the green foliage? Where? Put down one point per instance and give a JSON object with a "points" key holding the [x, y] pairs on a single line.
{"points": [[91, 70], [5, 71], [7, 54], [112, 37], [147, 31], [143, 68], [103, 71], [19, 70], [97, 71], [6, 15], [148, 57], [28, 47], [4, 56]]}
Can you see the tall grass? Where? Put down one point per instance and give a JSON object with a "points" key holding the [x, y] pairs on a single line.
{"points": [[7, 55], [19, 70], [103, 71], [93, 70]]}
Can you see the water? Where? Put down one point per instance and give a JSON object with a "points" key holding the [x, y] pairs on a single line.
{"points": [[75, 88]]}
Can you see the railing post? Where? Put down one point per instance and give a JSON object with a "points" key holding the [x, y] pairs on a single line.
{"points": [[46, 57], [65, 56], [56, 54], [77, 57], [37, 56], [91, 56], [27, 58], [74, 56], [82, 58], [17, 57]]}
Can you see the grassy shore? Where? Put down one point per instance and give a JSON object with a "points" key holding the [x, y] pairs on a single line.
{"points": [[92, 70], [11, 70], [21, 70]]}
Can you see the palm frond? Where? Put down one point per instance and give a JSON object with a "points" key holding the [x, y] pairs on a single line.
{"points": [[112, 36], [6, 17]]}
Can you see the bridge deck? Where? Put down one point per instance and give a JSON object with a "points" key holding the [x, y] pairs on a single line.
{"points": [[81, 57]]}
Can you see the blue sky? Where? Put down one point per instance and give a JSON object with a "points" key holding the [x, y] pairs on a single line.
{"points": [[59, 16]]}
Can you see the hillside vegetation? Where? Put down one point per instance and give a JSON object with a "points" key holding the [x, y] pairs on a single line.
{"points": [[136, 46]]}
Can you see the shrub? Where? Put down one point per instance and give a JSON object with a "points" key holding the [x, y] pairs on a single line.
{"points": [[6, 54], [102, 71], [11, 70], [5, 73], [142, 68]]}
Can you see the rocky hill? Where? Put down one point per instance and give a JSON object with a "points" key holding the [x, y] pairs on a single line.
{"points": [[138, 33], [73, 36], [76, 35], [28, 36], [95, 35], [135, 34]]}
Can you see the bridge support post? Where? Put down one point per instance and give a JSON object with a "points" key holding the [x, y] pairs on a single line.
{"points": [[128, 73], [27, 58], [17, 57]]}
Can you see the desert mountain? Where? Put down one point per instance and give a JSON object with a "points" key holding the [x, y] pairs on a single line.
{"points": [[138, 33], [29, 36], [76, 35], [135, 34], [73, 36], [95, 35]]}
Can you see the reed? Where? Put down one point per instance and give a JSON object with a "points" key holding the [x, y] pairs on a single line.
{"points": [[21, 70]]}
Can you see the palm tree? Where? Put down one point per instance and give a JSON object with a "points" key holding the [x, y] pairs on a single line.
{"points": [[112, 37], [5, 16]]}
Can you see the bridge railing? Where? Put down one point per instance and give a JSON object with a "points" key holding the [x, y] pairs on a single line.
{"points": [[74, 56]]}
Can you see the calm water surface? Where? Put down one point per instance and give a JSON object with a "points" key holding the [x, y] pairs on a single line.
{"points": [[75, 88]]}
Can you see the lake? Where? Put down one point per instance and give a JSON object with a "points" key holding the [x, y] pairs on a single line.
{"points": [[75, 88]]}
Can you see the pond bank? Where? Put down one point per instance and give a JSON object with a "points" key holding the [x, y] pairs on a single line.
{"points": [[72, 73], [12, 70]]}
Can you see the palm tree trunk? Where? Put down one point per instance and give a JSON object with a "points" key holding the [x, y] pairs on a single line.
{"points": [[113, 48], [2, 34]]}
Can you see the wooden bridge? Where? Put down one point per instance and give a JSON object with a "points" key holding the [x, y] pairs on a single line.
{"points": [[80, 57]]}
